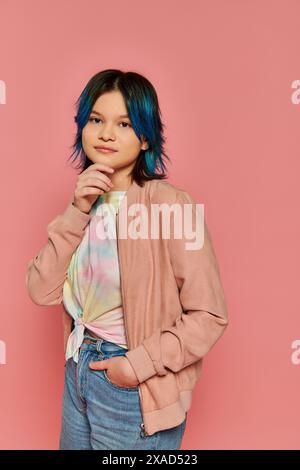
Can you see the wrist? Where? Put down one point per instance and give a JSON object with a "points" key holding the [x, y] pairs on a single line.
{"points": [[79, 209]]}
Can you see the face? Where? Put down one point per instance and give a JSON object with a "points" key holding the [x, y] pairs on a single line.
{"points": [[108, 126]]}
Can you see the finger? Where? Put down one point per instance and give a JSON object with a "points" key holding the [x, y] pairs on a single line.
{"points": [[98, 365], [88, 191], [98, 166], [94, 182], [101, 176]]}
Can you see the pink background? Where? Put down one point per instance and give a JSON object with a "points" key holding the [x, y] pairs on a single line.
{"points": [[223, 72]]}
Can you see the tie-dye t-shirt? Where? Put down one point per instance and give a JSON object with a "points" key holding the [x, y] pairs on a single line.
{"points": [[92, 292]]}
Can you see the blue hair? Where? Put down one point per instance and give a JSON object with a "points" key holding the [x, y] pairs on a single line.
{"points": [[144, 112]]}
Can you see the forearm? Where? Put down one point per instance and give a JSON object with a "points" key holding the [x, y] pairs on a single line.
{"points": [[47, 272]]}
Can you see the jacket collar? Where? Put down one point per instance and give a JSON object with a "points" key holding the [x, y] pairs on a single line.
{"points": [[131, 194]]}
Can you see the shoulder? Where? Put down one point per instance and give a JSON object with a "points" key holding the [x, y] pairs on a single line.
{"points": [[161, 191]]}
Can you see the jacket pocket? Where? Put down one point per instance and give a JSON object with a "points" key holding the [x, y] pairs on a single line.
{"points": [[188, 376]]}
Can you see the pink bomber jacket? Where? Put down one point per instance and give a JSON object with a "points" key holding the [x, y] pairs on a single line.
{"points": [[173, 300]]}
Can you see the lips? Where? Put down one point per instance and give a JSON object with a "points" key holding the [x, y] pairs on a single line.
{"points": [[105, 149]]}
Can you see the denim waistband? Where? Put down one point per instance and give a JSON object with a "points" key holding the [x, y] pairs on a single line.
{"points": [[102, 345]]}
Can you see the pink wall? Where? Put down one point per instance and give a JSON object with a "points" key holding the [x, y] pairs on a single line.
{"points": [[224, 73]]}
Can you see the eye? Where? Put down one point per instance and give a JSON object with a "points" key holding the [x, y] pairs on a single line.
{"points": [[94, 119]]}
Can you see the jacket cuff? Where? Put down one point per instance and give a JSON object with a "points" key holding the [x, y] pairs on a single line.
{"points": [[141, 363], [76, 216]]}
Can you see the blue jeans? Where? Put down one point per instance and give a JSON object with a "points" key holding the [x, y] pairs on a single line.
{"points": [[100, 415]]}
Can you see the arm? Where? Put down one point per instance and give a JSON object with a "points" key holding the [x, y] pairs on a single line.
{"points": [[47, 272], [204, 316]]}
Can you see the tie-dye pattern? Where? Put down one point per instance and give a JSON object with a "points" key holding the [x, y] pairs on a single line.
{"points": [[91, 292]]}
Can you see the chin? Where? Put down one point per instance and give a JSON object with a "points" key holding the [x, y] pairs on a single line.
{"points": [[101, 159]]}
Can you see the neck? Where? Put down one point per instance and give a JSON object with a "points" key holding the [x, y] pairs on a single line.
{"points": [[121, 181]]}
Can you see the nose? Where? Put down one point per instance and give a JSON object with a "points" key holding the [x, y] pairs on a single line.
{"points": [[106, 132]]}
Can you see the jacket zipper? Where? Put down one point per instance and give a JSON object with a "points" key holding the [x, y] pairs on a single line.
{"points": [[121, 277], [123, 302]]}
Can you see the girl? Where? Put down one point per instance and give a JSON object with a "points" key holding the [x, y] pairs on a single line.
{"points": [[141, 309]]}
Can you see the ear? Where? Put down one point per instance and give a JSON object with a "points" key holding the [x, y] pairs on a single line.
{"points": [[145, 144]]}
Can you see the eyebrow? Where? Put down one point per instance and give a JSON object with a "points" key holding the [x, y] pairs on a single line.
{"points": [[99, 114]]}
